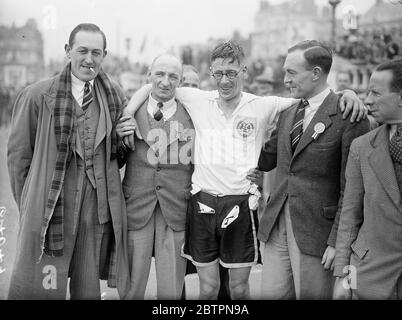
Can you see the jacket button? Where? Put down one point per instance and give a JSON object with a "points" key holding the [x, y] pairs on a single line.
{"points": [[158, 169], [157, 187]]}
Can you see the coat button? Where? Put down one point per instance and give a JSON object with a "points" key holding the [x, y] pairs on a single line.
{"points": [[158, 169], [158, 187]]}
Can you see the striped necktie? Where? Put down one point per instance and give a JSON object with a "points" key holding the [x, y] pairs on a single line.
{"points": [[88, 97], [158, 114], [297, 129]]}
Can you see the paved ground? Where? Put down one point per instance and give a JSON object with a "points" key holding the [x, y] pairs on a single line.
{"points": [[10, 224]]}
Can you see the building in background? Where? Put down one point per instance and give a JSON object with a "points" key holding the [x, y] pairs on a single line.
{"points": [[278, 27], [21, 55]]}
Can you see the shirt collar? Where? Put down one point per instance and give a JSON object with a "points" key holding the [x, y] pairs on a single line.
{"points": [[318, 99], [392, 129], [79, 84], [166, 105]]}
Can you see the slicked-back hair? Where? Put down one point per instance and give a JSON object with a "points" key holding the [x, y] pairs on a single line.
{"points": [[316, 54], [90, 27], [395, 67], [228, 50]]}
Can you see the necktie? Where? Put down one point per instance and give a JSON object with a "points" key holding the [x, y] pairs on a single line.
{"points": [[88, 97], [395, 145], [297, 129], [158, 114]]}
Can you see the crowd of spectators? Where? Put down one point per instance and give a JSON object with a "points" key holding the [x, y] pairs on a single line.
{"points": [[370, 46]]}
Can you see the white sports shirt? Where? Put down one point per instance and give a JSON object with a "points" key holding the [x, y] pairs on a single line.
{"points": [[225, 149]]}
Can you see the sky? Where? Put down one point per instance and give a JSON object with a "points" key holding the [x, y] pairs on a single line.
{"points": [[159, 24]]}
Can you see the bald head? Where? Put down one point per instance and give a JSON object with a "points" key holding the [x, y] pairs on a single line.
{"points": [[165, 74], [169, 59]]}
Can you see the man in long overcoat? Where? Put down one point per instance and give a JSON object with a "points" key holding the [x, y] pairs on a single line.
{"points": [[65, 179]]}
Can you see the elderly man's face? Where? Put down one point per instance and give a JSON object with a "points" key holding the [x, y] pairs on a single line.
{"points": [[382, 102], [86, 52], [165, 76]]}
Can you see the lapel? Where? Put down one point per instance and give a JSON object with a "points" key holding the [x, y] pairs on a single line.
{"points": [[328, 108], [78, 146], [104, 116], [287, 127], [381, 163], [141, 116], [179, 123]]}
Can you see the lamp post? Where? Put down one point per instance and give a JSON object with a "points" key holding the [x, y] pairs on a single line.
{"points": [[333, 4]]}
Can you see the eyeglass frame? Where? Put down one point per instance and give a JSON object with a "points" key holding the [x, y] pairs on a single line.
{"points": [[226, 73]]}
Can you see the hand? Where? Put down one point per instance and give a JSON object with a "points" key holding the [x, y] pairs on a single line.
{"points": [[255, 176], [351, 102], [125, 129], [328, 258], [340, 293]]}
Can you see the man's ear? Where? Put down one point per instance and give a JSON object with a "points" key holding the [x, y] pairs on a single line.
{"points": [[400, 99], [104, 53], [317, 71], [67, 49], [245, 72]]}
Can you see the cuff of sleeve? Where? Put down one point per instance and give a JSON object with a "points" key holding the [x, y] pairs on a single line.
{"points": [[332, 237], [338, 270]]}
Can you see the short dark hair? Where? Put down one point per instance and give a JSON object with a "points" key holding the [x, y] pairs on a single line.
{"points": [[86, 27], [228, 50], [316, 54], [395, 66]]}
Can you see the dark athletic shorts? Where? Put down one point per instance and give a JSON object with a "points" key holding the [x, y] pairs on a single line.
{"points": [[221, 229]]}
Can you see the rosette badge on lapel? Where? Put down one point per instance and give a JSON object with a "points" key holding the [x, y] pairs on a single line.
{"points": [[318, 129]]}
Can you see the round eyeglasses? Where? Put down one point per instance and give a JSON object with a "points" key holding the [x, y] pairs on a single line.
{"points": [[230, 74]]}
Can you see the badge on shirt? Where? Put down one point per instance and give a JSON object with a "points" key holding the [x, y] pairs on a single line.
{"points": [[245, 127]]}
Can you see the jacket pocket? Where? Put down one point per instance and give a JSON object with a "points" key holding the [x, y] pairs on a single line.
{"points": [[324, 145], [330, 212], [359, 248]]}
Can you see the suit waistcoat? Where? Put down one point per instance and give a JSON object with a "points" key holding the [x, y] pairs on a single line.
{"points": [[87, 124], [94, 166]]}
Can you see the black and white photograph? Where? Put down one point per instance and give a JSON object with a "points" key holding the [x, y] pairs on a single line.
{"points": [[201, 156]]}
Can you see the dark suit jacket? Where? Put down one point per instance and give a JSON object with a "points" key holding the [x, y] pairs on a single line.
{"points": [[370, 227], [312, 179], [157, 173]]}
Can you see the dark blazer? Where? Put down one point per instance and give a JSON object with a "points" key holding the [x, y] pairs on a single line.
{"points": [[157, 173], [370, 227], [313, 178]]}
